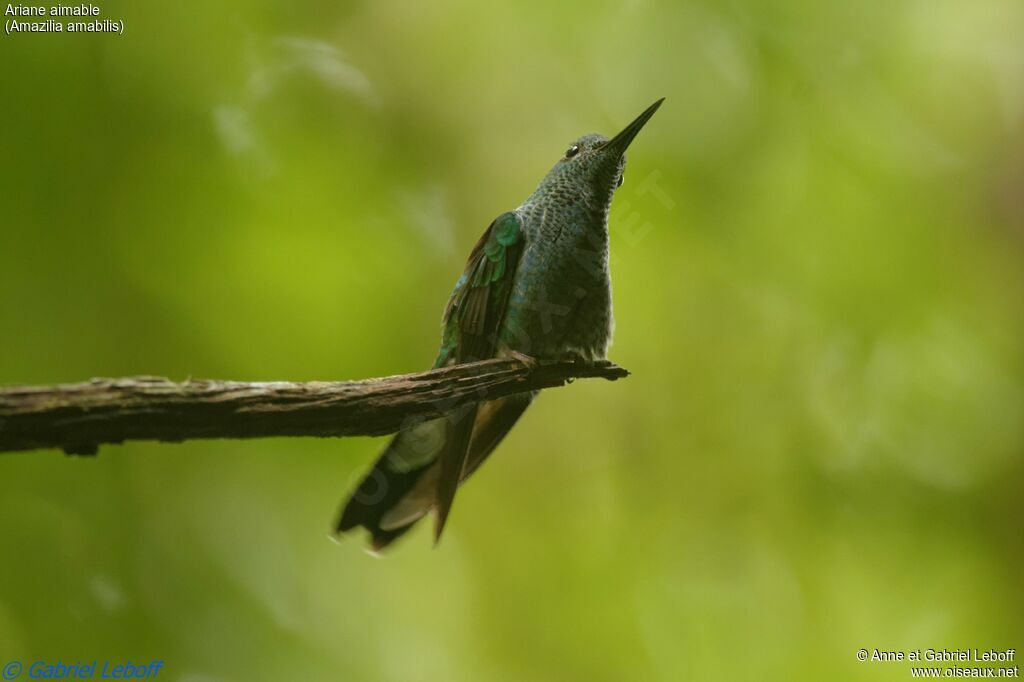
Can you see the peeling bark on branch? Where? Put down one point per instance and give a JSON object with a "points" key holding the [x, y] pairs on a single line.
{"points": [[78, 418]]}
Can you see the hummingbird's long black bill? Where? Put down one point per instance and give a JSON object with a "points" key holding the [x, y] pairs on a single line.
{"points": [[622, 140]]}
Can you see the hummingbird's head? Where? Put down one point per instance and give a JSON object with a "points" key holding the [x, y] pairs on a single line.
{"points": [[593, 166]]}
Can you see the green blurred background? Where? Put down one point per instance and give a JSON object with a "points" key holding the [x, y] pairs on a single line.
{"points": [[817, 257]]}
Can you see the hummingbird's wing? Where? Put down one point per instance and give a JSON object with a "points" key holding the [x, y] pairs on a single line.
{"points": [[472, 322], [407, 479], [472, 319]]}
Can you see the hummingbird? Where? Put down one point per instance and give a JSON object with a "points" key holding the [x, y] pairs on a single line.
{"points": [[536, 287]]}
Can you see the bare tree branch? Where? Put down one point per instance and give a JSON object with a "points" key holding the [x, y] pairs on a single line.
{"points": [[78, 418]]}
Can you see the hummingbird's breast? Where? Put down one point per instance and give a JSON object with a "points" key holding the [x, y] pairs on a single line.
{"points": [[561, 294]]}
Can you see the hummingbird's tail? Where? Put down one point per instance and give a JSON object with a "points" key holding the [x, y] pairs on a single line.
{"points": [[404, 483]]}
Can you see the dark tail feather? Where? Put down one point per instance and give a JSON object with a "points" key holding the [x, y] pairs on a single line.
{"points": [[395, 495], [493, 421], [451, 463], [403, 464]]}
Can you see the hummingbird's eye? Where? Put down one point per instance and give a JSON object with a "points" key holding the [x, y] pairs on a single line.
{"points": [[572, 151], [622, 178]]}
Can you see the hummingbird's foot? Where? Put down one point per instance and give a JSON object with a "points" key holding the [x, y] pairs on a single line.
{"points": [[574, 357], [531, 362]]}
